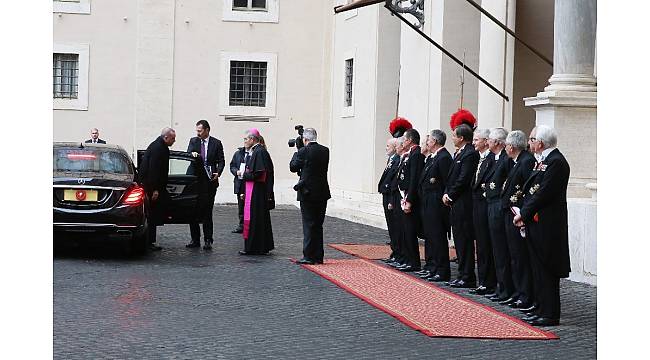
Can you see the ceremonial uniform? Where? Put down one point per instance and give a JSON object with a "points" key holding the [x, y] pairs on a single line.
{"points": [[434, 214], [459, 191], [544, 213], [486, 272], [512, 195], [496, 214], [408, 175], [384, 187]]}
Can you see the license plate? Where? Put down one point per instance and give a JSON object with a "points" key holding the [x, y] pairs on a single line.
{"points": [[79, 195]]}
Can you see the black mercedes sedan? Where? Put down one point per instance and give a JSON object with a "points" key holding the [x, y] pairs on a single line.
{"points": [[97, 196]]}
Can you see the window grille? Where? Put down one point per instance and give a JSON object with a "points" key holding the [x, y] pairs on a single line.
{"points": [[349, 69], [248, 83], [249, 5], [66, 76]]}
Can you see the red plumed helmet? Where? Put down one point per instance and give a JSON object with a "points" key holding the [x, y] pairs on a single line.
{"points": [[462, 116], [398, 126]]}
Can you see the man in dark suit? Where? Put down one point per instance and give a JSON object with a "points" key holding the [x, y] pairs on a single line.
{"points": [[434, 214], [153, 172], [494, 183], [512, 196], [485, 258], [210, 150], [544, 214], [408, 176], [239, 158], [458, 195], [94, 137], [390, 171], [311, 162]]}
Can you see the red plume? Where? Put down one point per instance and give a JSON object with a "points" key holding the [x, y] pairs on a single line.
{"points": [[462, 116], [398, 126]]}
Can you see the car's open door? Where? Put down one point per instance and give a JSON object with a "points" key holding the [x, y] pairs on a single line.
{"points": [[186, 182]]}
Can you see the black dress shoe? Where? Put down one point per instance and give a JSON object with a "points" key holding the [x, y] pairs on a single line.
{"points": [[519, 304], [530, 318], [529, 309], [481, 290], [154, 247], [507, 301], [463, 284], [388, 260], [542, 321], [438, 278], [306, 261], [422, 272], [394, 264], [237, 230], [207, 245], [193, 244], [495, 298], [489, 295], [407, 268], [449, 283]]}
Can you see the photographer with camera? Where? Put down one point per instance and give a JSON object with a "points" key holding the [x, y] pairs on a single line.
{"points": [[310, 162]]}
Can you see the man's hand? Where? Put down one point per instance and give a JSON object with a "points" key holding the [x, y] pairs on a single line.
{"points": [[154, 196], [518, 221], [215, 177], [195, 154], [446, 200]]}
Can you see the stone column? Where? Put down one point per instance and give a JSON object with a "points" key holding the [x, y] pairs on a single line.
{"points": [[568, 103]]}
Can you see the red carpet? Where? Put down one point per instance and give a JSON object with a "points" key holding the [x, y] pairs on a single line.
{"points": [[422, 305], [376, 252]]}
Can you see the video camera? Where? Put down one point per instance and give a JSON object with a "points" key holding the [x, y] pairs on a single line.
{"points": [[297, 142]]}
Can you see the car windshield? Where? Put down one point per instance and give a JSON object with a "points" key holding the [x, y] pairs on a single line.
{"points": [[96, 160]]}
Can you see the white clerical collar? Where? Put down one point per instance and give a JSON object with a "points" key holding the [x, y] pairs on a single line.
{"points": [[541, 157], [485, 153]]}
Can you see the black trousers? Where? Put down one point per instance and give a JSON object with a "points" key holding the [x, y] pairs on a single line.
{"points": [[240, 209], [390, 222], [505, 287], [435, 218], [313, 216], [519, 261], [485, 258], [205, 217], [462, 228], [156, 214], [411, 248], [546, 288], [397, 234]]}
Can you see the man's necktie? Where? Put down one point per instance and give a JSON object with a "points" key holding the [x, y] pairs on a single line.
{"points": [[203, 151], [478, 168]]}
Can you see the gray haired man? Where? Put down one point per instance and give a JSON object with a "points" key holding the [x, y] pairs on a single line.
{"points": [[544, 213]]}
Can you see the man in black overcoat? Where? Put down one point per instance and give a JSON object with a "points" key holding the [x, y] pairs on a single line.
{"points": [[458, 195], [311, 162], [153, 173], [408, 175], [238, 158], [493, 185], [512, 196], [544, 214], [210, 151], [485, 258], [387, 176], [434, 214]]}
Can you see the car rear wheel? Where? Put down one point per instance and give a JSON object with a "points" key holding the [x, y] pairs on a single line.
{"points": [[137, 245]]}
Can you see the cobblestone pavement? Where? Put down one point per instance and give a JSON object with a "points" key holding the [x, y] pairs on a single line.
{"points": [[191, 304]]}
